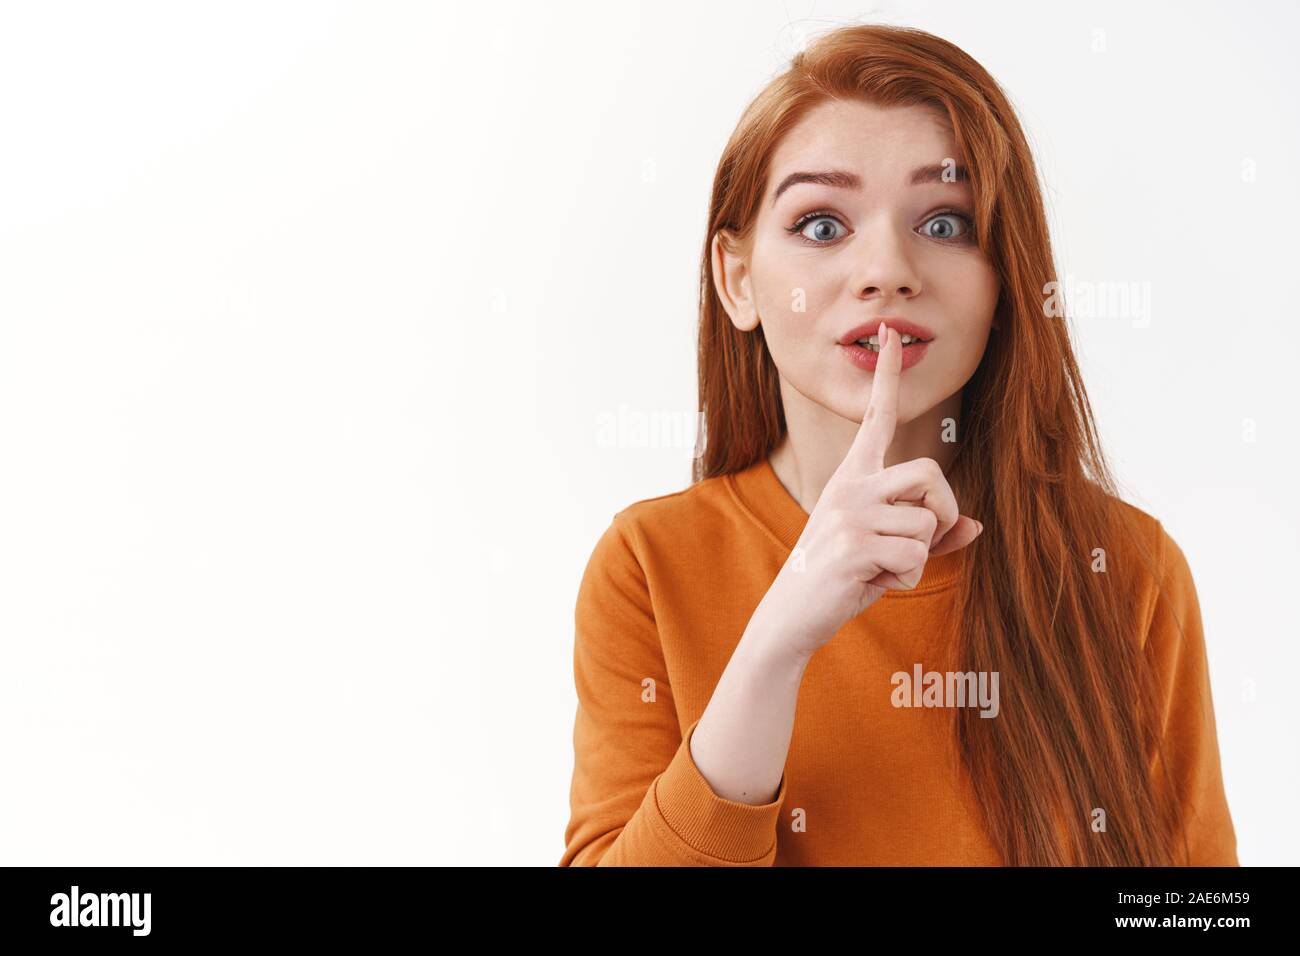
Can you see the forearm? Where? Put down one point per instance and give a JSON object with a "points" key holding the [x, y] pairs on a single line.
{"points": [[743, 737]]}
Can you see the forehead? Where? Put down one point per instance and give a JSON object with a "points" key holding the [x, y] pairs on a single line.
{"points": [[879, 143]]}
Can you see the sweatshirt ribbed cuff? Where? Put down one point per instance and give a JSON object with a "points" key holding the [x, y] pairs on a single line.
{"points": [[714, 826]]}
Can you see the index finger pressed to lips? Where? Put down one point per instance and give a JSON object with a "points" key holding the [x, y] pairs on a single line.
{"points": [[881, 417]]}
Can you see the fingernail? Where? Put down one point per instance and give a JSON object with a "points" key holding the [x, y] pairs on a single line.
{"points": [[981, 524]]}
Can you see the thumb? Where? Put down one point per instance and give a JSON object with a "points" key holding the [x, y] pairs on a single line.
{"points": [[959, 535]]}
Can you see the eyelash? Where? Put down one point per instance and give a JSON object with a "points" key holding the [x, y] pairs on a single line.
{"points": [[797, 229]]}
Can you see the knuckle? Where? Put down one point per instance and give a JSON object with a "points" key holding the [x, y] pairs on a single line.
{"points": [[843, 494], [871, 483], [837, 518]]}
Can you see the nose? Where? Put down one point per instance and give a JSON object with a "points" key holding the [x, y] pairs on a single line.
{"points": [[884, 269]]}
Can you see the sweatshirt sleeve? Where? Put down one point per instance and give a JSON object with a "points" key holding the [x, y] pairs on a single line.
{"points": [[1190, 737], [637, 797]]}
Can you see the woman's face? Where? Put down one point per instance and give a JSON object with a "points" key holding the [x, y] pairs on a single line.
{"points": [[878, 238]]}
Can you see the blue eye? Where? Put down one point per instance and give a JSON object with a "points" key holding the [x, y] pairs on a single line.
{"points": [[824, 233], [949, 233]]}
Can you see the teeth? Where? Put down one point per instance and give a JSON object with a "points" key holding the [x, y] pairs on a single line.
{"points": [[873, 343]]}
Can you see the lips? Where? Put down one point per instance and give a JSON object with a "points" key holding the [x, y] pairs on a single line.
{"points": [[900, 325], [867, 360]]}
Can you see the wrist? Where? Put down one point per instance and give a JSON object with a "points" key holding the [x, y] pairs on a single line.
{"points": [[776, 645]]}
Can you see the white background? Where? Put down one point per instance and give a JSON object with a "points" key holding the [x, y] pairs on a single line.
{"points": [[309, 316]]}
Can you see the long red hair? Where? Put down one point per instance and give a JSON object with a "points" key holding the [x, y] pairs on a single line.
{"points": [[1078, 728]]}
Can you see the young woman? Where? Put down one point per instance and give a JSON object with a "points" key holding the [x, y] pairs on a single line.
{"points": [[811, 656]]}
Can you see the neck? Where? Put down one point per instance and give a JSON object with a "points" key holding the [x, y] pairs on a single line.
{"points": [[816, 441]]}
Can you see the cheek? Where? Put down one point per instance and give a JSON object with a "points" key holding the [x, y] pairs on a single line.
{"points": [[971, 299], [787, 305], [971, 293]]}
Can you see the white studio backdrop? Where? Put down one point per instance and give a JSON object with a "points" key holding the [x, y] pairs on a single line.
{"points": [[324, 333]]}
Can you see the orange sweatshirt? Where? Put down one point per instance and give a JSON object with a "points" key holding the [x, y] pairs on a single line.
{"points": [[665, 598]]}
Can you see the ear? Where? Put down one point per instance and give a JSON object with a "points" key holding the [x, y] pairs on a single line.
{"points": [[731, 280]]}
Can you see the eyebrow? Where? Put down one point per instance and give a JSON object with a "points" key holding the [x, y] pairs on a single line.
{"points": [[842, 179]]}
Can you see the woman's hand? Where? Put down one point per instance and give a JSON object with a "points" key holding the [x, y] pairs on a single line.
{"points": [[871, 530]]}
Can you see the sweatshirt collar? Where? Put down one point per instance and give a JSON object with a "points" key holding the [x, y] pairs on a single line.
{"points": [[759, 492]]}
